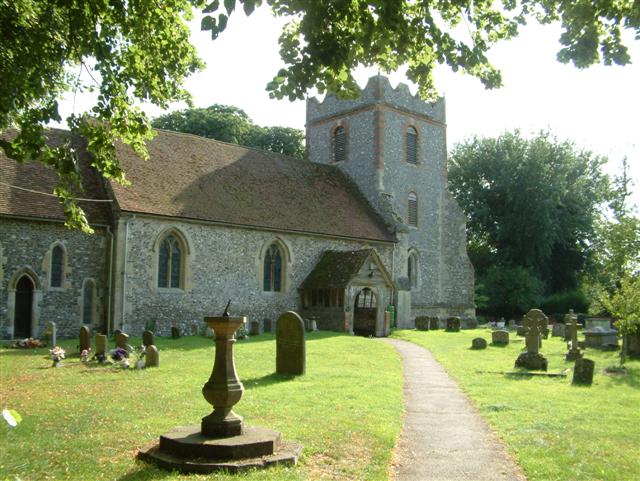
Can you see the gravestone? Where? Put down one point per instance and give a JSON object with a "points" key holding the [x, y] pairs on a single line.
{"points": [[533, 322], [101, 344], [453, 324], [500, 337], [434, 324], [520, 330], [478, 343], [175, 332], [571, 323], [557, 330], [601, 337], [85, 338], [422, 323], [512, 324], [256, 328], [470, 323], [122, 340], [535, 317], [583, 371], [147, 339], [290, 344], [53, 336], [266, 325], [152, 358]]}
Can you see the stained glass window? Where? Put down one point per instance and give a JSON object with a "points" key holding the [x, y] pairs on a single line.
{"points": [[57, 266]]}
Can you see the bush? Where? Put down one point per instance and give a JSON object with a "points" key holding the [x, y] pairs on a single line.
{"points": [[561, 302], [512, 291]]}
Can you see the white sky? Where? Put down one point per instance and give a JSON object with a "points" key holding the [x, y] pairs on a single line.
{"points": [[597, 108]]}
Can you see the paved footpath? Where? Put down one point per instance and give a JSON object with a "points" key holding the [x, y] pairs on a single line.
{"points": [[443, 437]]}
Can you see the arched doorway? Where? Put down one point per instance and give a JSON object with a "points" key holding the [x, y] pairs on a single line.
{"points": [[23, 318], [365, 313]]}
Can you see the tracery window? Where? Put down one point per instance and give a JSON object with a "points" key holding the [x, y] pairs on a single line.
{"points": [[273, 269], [170, 263], [366, 298]]}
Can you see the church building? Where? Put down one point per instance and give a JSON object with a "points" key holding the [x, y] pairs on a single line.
{"points": [[365, 224]]}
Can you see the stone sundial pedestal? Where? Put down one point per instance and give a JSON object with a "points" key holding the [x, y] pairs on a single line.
{"points": [[221, 440]]}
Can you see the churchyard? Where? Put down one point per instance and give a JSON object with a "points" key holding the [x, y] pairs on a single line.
{"points": [[88, 421]]}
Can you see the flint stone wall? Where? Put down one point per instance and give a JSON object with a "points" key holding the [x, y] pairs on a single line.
{"points": [[224, 263], [27, 244]]}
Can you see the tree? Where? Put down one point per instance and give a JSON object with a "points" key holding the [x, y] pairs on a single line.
{"points": [[530, 203], [231, 124], [138, 51]]}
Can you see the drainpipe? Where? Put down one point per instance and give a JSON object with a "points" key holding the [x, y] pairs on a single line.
{"points": [[110, 282]]}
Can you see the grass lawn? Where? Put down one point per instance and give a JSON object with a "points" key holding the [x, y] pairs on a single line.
{"points": [[555, 431], [87, 422]]}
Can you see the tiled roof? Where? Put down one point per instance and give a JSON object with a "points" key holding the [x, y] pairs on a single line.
{"points": [[335, 269], [38, 177], [198, 178]]}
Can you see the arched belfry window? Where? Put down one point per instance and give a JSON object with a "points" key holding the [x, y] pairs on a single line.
{"points": [[170, 262], [339, 144], [412, 209], [412, 145], [273, 269], [57, 266]]}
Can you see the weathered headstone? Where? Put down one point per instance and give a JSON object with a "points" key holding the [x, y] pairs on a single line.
{"points": [[256, 328], [478, 343], [175, 332], [535, 317], [453, 324], [147, 339], [470, 323], [122, 340], [52, 329], [101, 344], [434, 323], [422, 323], [152, 358], [520, 330], [85, 338], [583, 371], [571, 323], [557, 330], [533, 322], [266, 325], [500, 337], [290, 344]]}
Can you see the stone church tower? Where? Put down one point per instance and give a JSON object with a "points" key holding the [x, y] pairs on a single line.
{"points": [[393, 146]]}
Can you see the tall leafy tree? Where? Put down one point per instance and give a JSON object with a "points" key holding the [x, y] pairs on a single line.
{"points": [[532, 203], [231, 124], [138, 51]]}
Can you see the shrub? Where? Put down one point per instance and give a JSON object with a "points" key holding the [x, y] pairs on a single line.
{"points": [[512, 291], [561, 302]]}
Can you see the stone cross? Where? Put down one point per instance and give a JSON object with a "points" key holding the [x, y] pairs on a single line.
{"points": [[101, 344], [147, 339], [152, 358], [85, 339], [535, 317], [122, 340], [290, 344], [532, 339], [571, 321]]}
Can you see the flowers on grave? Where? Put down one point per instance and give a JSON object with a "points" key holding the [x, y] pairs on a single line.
{"points": [[118, 354], [84, 355], [28, 343], [57, 355], [101, 357]]}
